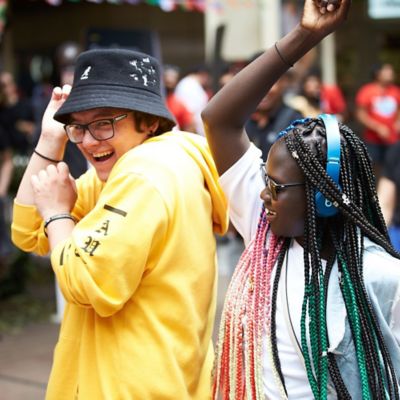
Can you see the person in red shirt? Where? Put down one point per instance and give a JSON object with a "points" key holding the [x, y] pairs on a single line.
{"points": [[378, 110], [181, 113]]}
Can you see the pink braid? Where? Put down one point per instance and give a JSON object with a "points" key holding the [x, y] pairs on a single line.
{"points": [[247, 312]]}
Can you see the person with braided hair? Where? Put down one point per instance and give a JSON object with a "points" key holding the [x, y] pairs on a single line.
{"points": [[313, 307]]}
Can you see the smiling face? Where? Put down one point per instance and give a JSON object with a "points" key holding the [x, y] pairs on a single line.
{"points": [[105, 153], [286, 213]]}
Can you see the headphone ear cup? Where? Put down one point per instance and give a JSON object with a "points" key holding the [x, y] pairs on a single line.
{"points": [[325, 207]]}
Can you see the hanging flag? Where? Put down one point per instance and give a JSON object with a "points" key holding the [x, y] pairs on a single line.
{"points": [[54, 2], [3, 15], [165, 5]]}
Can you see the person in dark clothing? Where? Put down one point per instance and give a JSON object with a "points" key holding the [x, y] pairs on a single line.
{"points": [[270, 116], [16, 116], [388, 193], [6, 170]]}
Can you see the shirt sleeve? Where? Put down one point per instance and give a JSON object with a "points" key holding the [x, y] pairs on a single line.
{"points": [[242, 184], [27, 224], [102, 263]]}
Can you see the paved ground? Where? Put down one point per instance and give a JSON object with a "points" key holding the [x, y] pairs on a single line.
{"points": [[25, 357]]}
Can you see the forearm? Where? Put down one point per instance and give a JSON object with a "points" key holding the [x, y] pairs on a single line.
{"points": [[387, 198], [225, 116], [366, 120], [6, 170], [59, 230], [48, 146]]}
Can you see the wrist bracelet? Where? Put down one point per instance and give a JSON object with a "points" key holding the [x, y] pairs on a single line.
{"points": [[281, 56], [55, 218], [46, 158]]}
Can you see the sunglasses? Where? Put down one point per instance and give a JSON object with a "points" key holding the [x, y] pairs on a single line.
{"points": [[274, 187]]}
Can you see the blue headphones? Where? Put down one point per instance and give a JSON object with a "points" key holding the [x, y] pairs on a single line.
{"points": [[325, 208]]}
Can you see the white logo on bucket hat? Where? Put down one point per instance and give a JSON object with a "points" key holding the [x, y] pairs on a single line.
{"points": [[85, 74], [144, 71]]}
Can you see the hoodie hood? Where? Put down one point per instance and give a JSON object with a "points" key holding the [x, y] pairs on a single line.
{"points": [[197, 148]]}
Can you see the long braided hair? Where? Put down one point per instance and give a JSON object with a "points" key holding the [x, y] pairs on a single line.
{"points": [[248, 317]]}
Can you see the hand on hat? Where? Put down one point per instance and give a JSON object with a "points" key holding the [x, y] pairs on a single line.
{"points": [[50, 127]]}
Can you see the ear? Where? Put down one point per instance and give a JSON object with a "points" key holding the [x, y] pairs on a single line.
{"points": [[151, 129]]}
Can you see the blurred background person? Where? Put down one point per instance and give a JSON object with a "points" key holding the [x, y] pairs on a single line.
{"points": [[16, 115], [193, 91], [183, 116], [389, 191], [271, 116], [316, 97], [378, 111], [6, 171]]}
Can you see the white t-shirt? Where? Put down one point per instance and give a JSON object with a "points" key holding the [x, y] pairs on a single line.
{"points": [[242, 184], [194, 97]]}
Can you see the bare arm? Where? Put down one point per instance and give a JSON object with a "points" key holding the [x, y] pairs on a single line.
{"points": [[387, 198], [51, 144], [47, 184], [370, 123], [225, 115], [6, 170]]}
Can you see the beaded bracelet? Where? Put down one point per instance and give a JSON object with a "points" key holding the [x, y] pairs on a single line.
{"points": [[281, 56], [55, 218], [46, 158]]}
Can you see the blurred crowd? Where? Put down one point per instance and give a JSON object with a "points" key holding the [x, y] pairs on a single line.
{"points": [[374, 111]]}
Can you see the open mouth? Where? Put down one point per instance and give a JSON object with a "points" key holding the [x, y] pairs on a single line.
{"points": [[104, 156]]}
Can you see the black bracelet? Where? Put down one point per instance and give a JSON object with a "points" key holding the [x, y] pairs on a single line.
{"points": [[46, 158], [55, 218], [281, 57]]}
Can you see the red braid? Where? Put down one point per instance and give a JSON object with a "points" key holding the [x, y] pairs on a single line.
{"points": [[247, 310]]}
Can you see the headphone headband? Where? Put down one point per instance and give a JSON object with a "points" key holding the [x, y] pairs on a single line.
{"points": [[325, 208]]}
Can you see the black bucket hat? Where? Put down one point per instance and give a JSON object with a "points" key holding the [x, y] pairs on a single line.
{"points": [[118, 78]]}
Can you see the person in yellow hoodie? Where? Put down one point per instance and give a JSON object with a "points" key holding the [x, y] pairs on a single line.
{"points": [[132, 240]]}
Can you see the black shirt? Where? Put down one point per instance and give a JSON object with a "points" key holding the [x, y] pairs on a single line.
{"points": [[9, 116], [391, 171], [265, 137]]}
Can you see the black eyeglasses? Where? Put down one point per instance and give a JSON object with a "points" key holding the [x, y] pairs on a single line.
{"points": [[274, 187], [101, 129]]}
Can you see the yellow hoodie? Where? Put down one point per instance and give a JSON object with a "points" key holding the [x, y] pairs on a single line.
{"points": [[138, 274]]}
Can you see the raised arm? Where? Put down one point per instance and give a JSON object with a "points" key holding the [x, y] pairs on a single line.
{"points": [[51, 146], [46, 183], [226, 113]]}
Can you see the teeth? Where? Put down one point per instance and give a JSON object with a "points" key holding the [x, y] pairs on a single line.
{"points": [[105, 153], [269, 212]]}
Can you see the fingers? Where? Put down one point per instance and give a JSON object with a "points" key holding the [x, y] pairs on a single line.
{"points": [[327, 5], [66, 90], [35, 182], [59, 172], [61, 93], [333, 5], [73, 183], [63, 169], [57, 92]]}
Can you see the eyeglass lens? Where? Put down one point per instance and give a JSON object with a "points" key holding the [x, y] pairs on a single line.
{"points": [[100, 130]]}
